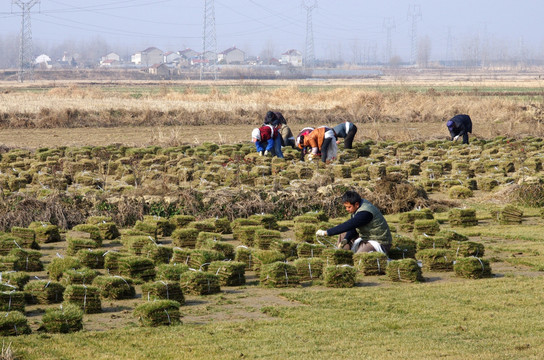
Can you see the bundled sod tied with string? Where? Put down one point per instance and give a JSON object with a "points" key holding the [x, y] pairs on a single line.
{"points": [[451, 235], [26, 237], [231, 273], [373, 263], [8, 263], [93, 259], [157, 313], [58, 266], [159, 254], [246, 234], [402, 248], [264, 257], [136, 244], [200, 283], [305, 232], [472, 268], [510, 215], [431, 242], [264, 237], [163, 290], [337, 256], [45, 232], [18, 279], [185, 237], [306, 250], [429, 227], [267, 221], [436, 259], [12, 301], [7, 243], [87, 298], [244, 255], [405, 270], [147, 228], [108, 230], [462, 217], [114, 287], [222, 225], [13, 323], [171, 272], [286, 247], [180, 221], [309, 268], [66, 319], [44, 292], [137, 267], [93, 232], [27, 260], [226, 249], [111, 262], [77, 244], [78, 276], [406, 220], [279, 274], [467, 248], [340, 276]]}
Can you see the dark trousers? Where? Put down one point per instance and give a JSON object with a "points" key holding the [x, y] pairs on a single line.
{"points": [[348, 141]]}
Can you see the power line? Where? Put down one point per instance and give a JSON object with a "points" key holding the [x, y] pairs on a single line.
{"points": [[209, 40], [388, 25], [26, 61], [309, 57], [414, 13]]}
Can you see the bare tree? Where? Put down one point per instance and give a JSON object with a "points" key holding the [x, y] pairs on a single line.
{"points": [[267, 53]]}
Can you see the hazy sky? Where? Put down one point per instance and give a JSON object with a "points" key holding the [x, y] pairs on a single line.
{"points": [[339, 26]]}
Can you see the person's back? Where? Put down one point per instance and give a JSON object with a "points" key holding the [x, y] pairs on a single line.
{"points": [[460, 125], [347, 131]]}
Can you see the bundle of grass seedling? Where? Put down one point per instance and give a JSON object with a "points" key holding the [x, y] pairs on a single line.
{"points": [[405, 270], [163, 290], [472, 268], [244, 255], [135, 244], [16, 278], [264, 257], [307, 250], [462, 217], [12, 300], [305, 232], [372, 263], [114, 287], [8, 263], [163, 226], [26, 238], [225, 248], [286, 247], [487, 183], [509, 215], [171, 272], [451, 235], [407, 219], [158, 313], [137, 267], [66, 319], [45, 232], [7, 243], [108, 230], [147, 228], [160, 254], [222, 225], [237, 223], [204, 225], [93, 259], [180, 221], [264, 237], [436, 259], [185, 237], [87, 298], [44, 292], [340, 276], [27, 260], [337, 256], [92, 230], [59, 265], [309, 269], [402, 247], [467, 248], [267, 221], [111, 262], [425, 226], [231, 273], [431, 242], [199, 259], [279, 274], [246, 234], [13, 323], [77, 244], [200, 283]]}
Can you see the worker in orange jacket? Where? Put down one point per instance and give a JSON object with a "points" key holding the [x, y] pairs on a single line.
{"points": [[321, 140]]}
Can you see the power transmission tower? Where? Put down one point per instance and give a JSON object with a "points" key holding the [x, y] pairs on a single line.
{"points": [[26, 61], [414, 12], [309, 57], [449, 47], [209, 41], [388, 25]]}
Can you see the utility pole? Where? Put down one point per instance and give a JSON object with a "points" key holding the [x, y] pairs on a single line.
{"points": [[414, 13], [388, 25], [209, 40], [309, 57], [26, 61]]}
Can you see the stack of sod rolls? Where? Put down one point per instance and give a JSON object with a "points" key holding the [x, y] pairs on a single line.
{"points": [[180, 221], [452, 235], [18, 279], [45, 232], [426, 226], [87, 298], [405, 270], [510, 215], [266, 220], [462, 217], [59, 265], [425, 241], [163, 225], [222, 225], [286, 247], [264, 237], [147, 228], [467, 248], [27, 260], [66, 319], [8, 263], [226, 249], [337, 256], [309, 268], [44, 292], [114, 287], [340, 276], [78, 276], [137, 267], [436, 259], [26, 237], [472, 268], [246, 233], [200, 283], [244, 255], [12, 301], [406, 220], [171, 272], [159, 254], [307, 250], [279, 274], [136, 244], [402, 247], [237, 223], [92, 232], [265, 257], [77, 244], [231, 273], [305, 231], [373, 263], [200, 259], [163, 290], [111, 262], [93, 259], [157, 313], [13, 323], [185, 237]]}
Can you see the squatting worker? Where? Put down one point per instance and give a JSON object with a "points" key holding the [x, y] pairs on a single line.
{"points": [[366, 231], [347, 131], [460, 125], [321, 140]]}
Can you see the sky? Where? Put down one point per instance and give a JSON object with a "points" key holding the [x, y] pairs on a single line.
{"points": [[343, 28]]}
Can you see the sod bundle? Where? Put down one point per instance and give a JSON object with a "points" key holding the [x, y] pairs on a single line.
{"points": [[164, 226], [267, 221], [264, 237], [12, 300], [204, 225], [171, 272], [222, 225], [402, 247], [26, 237], [244, 255], [147, 228], [18, 279], [265, 257], [185, 237], [108, 230], [451, 235], [7, 243], [425, 226], [286, 247], [67, 319], [136, 244], [87, 298], [163, 290], [200, 258], [58, 266], [27, 260], [93, 259], [181, 256], [436, 259], [137, 267], [246, 234], [431, 242], [305, 232], [405, 270], [77, 244], [180, 221], [13, 323], [226, 249], [309, 268], [82, 276], [231, 273], [306, 250], [44, 292], [45, 232], [467, 248], [472, 268], [340, 276], [373, 263], [337, 256], [158, 313], [510, 215], [159, 254], [407, 219], [462, 217], [200, 283], [236, 223], [279, 274], [8, 263], [92, 230], [111, 262], [114, 287], [206, 235], [487, 183]]}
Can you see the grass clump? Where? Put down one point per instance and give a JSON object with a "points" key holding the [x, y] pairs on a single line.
{"points": [[406, 270], [67, 319], [44, 292], [185, 237], [200, 283], [58, 266], [137, 267], [87, 298], [114, 287], [163, 290], [13, 323], [12, 301], [472, 268], [340, 276], [372, 263], [93, 259], [158, 313], [279, 274], [80, 276], [309, 269], [231, 273], [337, 257], [436, 259]]}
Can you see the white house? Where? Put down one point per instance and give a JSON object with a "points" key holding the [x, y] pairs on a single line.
{"points": [[170, 57], [148, 57], [231, 56], [111, 56], [292, 57]]}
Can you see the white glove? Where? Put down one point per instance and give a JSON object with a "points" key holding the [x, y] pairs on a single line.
{"points": [[266, 153], [321, 232], [260, 153], [455, 138], [310, 157]]}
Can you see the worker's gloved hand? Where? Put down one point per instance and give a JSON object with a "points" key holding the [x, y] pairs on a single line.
{"points": [[260, 153], [343, 243], [321, 232], [310, 157], [266, 153], [456, 137]]}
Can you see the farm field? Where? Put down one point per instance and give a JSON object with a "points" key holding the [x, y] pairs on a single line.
{"points": [[171, 169]]}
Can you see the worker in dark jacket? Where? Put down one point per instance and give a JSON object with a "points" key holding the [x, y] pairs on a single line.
{"points": [[347, 131], [366, 231], [287, 137], [460, 125]]}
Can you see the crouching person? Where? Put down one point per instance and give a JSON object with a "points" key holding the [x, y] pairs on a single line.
{"points": [[263, 138], [366, 231]]}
